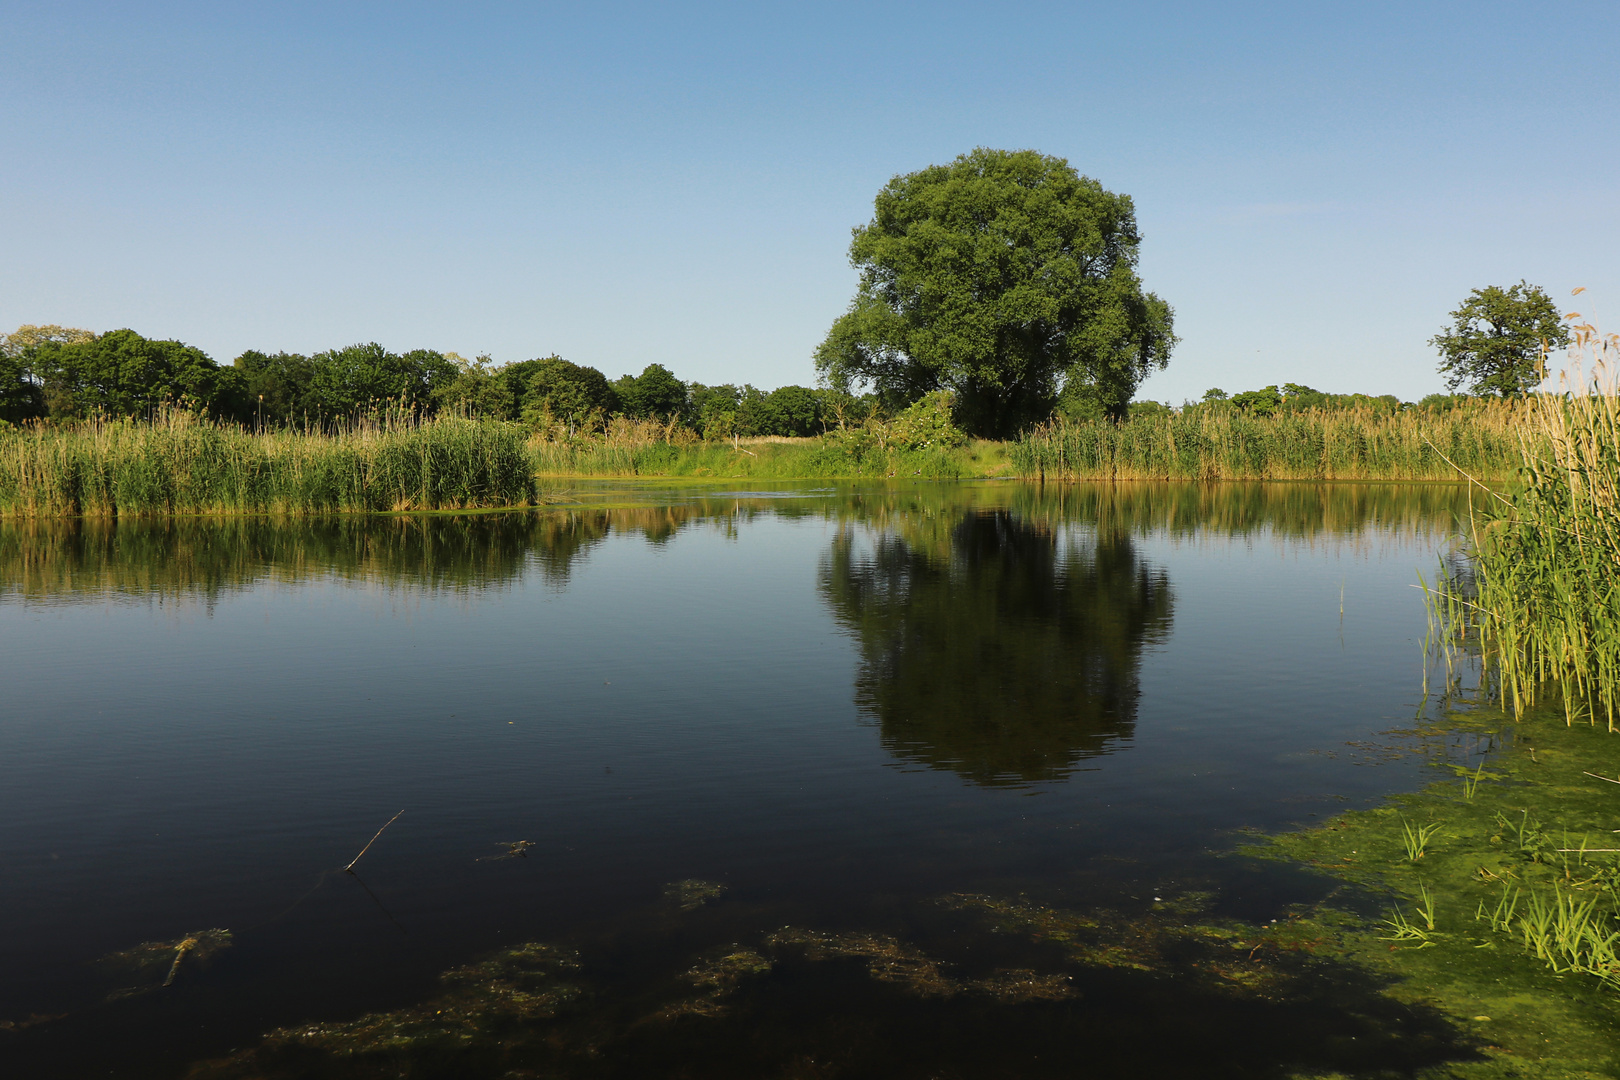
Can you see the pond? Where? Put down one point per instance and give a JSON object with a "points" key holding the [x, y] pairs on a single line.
{"points": [[901, 781]]}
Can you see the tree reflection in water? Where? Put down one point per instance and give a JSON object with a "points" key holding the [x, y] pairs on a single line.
{"points": [[996, 647]]}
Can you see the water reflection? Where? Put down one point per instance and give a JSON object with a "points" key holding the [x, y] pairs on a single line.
{"points": [[84, 558], [994, 645]]}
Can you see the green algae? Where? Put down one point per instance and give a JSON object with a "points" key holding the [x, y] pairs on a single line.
{"points": [[1506, 917], [718, 976], [890, 960], [1511, 840], [488, 1007], [156, 964], [691, 894]]}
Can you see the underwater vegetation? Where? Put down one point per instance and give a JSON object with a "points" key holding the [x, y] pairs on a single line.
{"points": [[545, 1009], [691, 894], [1501, 887], [156, 964]]}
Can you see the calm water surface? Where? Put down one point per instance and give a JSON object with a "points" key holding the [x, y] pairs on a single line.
{"points": [[845, 706]]}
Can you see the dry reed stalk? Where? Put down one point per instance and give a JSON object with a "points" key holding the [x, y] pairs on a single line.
{"points": [[350, 868]]}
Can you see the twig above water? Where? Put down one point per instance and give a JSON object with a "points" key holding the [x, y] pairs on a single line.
{"points": [[350, 868]]}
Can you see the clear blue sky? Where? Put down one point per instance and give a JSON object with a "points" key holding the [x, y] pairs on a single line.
{"points": [[1317, 184]]}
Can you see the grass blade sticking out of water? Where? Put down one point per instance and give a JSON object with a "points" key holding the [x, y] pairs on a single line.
{"points": [[1417, 839]]}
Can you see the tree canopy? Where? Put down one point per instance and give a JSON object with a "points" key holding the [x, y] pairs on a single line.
{"points": [[1497, 339], [1005, 276], [121, 373]]}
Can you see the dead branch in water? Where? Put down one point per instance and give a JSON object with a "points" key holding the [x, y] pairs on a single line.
{"points": [[350, 868]]}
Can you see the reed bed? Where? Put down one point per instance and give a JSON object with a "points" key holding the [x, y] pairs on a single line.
{"points": [[180, 464], [1203, 443], [800, 459], [1541, 593]]}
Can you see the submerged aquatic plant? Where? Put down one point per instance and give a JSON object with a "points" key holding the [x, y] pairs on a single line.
{"points": [[691, 894]]}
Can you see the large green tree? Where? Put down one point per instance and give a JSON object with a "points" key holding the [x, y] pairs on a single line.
{"points": [[1003, 276], [1497, 339]]}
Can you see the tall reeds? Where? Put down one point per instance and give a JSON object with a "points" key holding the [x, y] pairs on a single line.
{"points": [[179, 464], [1202, 443], [1543, 604]]}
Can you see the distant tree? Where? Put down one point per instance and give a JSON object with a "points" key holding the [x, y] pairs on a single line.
{"points": [[714, 409], [348, 382], [754, 412], [122, 373], [561, 392], [277, 388], [1497, 340], [842, 410], [477, 389], [1214, 394], [999, 276], [28, 336], [21, 395], [793, 410], [1259, 402], [656, 392]]}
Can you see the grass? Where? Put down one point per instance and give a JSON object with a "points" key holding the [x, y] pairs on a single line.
{"points": [[1540, 594], [1416, 838], [776, 459], [179, 464], [1483, 439], [182, 465]]}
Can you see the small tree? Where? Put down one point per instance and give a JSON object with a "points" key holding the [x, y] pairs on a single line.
{"points": [[1497, 340]]}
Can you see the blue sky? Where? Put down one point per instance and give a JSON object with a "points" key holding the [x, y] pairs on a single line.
{"points": [[624, 184]]}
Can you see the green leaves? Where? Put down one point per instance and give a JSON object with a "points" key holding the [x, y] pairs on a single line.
{"points": [[1000, 276], [1497, 340]]}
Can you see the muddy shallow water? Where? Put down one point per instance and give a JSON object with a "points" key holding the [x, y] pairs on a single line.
{"points": [[922, 780]]}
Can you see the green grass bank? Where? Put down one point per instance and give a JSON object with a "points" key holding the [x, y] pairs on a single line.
{"points": [[181, 465]]}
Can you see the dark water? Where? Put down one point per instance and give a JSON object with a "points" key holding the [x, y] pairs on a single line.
{"points": [[843, 705]]}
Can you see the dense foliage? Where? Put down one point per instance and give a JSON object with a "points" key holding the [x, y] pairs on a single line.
{"points": [[1005, 277], [61, 374], [1540, 597], [1498, 338]]}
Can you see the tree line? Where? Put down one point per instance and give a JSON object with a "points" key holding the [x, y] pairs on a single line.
{"points": [[1002, 286], [61, 373]]}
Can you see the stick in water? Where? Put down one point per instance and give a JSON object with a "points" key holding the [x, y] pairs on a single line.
{"points": [[350, 868]]}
